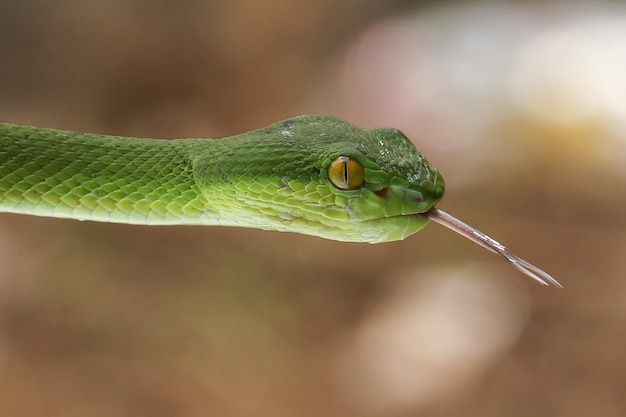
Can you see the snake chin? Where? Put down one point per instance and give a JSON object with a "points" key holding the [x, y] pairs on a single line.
{"points": [[398, 227]]}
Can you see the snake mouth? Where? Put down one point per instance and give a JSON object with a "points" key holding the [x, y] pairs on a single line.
{"points": [[402, 200]]}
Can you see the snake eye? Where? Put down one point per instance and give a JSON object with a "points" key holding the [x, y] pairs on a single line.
{"points": [[346, 173]]}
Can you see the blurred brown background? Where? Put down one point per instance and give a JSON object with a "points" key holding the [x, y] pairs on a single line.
{"points": [[522, 106]]}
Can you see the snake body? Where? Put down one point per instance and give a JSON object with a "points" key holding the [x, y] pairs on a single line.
{"points": [[316, 175], [273, 178]]}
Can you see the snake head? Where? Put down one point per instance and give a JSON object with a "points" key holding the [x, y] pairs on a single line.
{"points": [[396, 187], [321, 176]]}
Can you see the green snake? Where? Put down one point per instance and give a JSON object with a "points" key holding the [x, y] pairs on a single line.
{"points": [[313, 174]]}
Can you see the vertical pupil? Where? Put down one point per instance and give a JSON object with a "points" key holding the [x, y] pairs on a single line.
{"points": [[345, 173]]}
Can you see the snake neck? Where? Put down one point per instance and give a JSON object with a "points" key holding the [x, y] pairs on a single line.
{"points": [[97, 177]]}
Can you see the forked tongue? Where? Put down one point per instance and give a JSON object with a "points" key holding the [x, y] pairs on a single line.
{"points": [[487, 242]]}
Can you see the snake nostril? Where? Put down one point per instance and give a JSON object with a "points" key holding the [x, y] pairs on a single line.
{"points": [[418, 200]]}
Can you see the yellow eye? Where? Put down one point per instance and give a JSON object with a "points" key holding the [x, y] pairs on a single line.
{"points": [[346, 173]]}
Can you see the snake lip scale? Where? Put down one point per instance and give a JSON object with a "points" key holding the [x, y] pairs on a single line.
{"points": [[312, 174]]}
